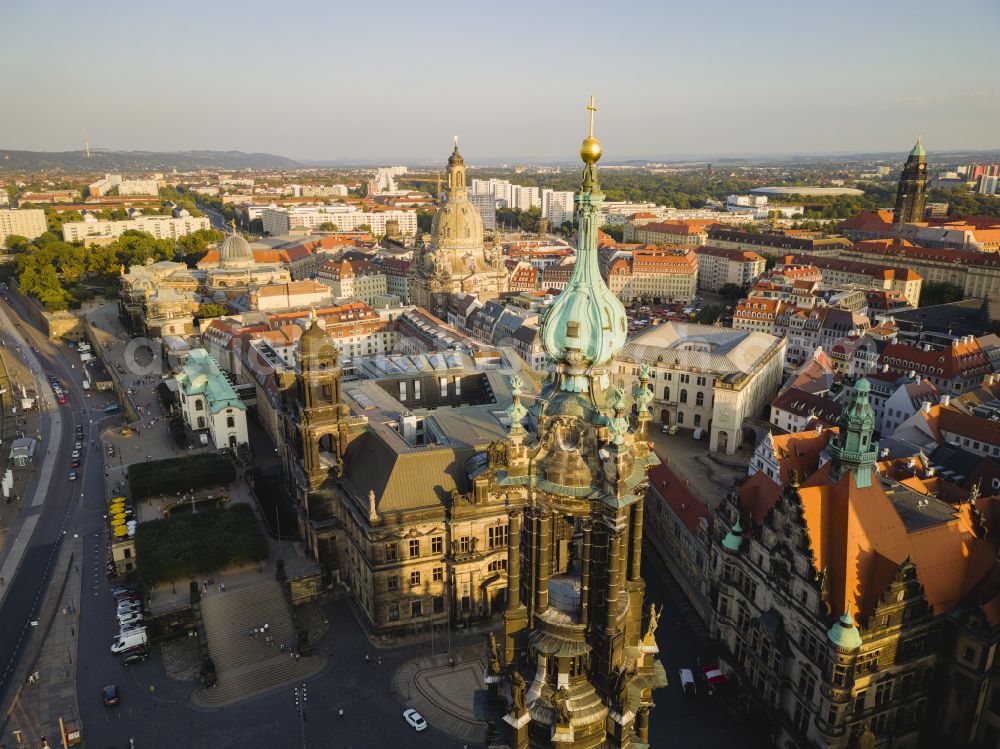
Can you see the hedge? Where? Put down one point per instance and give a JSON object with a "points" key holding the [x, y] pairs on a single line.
{"points": [[173, 475], [198, 544]]}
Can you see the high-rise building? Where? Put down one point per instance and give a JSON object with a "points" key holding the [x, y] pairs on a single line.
{"points": [[22, 222], [912, 190], [575, 626]]}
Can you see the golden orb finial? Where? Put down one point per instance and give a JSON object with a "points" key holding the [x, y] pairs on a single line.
{"points": [[590, 149]]}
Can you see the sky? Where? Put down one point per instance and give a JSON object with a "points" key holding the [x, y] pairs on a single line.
{"points": [[395, 81]]}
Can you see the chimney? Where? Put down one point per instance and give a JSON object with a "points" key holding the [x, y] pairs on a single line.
{"points": [[911, 374], [925, 407], [945, 400]]}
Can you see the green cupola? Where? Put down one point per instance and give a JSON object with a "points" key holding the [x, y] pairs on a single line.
{"points": [[734, 539], [918, 149], [844, 634], [854, 450], [586, 326]]}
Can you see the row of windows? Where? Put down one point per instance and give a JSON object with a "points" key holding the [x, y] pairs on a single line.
{"points": [[496, 537]]}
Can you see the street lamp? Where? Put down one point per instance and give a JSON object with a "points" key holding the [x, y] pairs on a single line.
{"points": [[300, 708]]}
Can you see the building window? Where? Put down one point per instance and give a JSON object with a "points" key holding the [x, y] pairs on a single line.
{"points": [[438, 574], [394, 612], [684, 396], [444, 386], [390, 552], [230, 422], [666, 393], [498, 565], [414, 578], [680, 417], [883, 693], [415, 548], [458, 385], [464, 544], [402, 391], [699, 399], [437, 544], [199, 405], [416, 390], [416, 610], [969, 654], [868, 662], [497, 536], [697, 420], [438, 604], [392, 583]]}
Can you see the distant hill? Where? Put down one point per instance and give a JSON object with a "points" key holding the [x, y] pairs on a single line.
{"points": [[136, 161]]}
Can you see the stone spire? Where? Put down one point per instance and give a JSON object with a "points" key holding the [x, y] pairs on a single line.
{"points": [[854, 450], [912, 191], [586, 326]]}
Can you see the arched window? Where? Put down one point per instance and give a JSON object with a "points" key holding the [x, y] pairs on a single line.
{"points": [[684, 396], [666, 393], [699, 399]]}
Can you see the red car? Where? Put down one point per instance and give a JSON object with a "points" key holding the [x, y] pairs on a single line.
{"points": [[62, 400], [75, 464]]}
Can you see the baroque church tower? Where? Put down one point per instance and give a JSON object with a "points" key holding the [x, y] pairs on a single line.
{"points": [[912, 191], [456, 261], [578, 665]]}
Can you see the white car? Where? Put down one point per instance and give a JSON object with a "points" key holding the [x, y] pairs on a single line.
{"points": [[415, 719], [129, 618]]}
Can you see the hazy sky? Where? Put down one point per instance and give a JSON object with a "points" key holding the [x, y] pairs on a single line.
{"points": [[388, 80]]}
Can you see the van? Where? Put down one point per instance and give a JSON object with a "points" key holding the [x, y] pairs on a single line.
{"points": [[687, 682], [128, 640]]}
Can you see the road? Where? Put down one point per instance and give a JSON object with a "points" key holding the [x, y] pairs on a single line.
{"points": [[44, 518]]}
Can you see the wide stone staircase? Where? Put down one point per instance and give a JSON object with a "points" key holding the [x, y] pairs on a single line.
{"points": [[249, 666]]}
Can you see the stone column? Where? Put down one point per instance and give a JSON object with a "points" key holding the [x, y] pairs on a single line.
{"points": [[635, 534], [642, 723], [544, 560], [532, 516], [614, 567], [585, 573], [514, 559]]}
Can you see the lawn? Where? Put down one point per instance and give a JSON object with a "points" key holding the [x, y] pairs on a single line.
{"points": [[195, 545]]}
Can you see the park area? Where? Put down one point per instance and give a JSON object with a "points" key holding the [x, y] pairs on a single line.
{"points": [[180, 475], [199, 544]]}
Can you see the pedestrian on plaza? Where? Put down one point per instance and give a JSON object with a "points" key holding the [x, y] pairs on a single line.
{"points": [[380, 660], [367, 658]]}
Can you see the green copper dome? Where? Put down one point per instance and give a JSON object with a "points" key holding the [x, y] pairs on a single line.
{"points": [[843, 633], [853, 449], [918, 149], [734, 539], [587, 325]]}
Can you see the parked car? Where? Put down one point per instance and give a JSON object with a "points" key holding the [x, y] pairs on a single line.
{"points": [[687, 682], [135, 656], [72, 475], [130, 617], [415, 719], [712, 678], [111, 697]]}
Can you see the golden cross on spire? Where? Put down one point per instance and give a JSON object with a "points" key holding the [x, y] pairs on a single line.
{"points": [[591, 109]]}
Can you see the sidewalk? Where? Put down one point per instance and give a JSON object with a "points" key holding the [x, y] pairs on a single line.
{"points": [[444, 694], [37, 707]]}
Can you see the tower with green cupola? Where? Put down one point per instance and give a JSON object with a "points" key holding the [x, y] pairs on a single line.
{"points": [[579, 648], [853, 450]]}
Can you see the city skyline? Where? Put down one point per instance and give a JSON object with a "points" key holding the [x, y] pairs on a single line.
{"points": [[754, 85]]}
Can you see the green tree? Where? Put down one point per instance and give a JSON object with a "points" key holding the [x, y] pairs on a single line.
{"points": [[939, 292], [210, 309], [17, 243], [708, 314], [328, 226], [615, 232], [732, 291]]}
